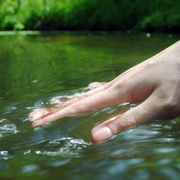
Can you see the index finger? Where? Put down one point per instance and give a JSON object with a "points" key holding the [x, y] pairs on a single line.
{"points": [[101, 99]]}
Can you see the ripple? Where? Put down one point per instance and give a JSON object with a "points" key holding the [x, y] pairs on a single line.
{"points": [[30, 168], [65, 146], [7, 129]]}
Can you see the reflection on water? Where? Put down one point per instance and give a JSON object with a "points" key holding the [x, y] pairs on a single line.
{"points": [[36, 68]]}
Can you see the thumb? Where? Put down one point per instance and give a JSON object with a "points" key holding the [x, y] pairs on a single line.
{"points": [[146, 111]]}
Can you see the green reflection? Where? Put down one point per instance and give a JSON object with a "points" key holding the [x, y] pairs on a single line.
{"points": [[33, 64]]}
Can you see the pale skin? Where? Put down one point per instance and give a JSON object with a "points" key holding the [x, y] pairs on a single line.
{"points": [[155, 83]]}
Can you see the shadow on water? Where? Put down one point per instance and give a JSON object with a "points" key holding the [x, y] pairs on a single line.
{"points": [[36, 68]]}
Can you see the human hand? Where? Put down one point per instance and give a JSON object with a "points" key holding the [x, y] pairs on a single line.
{"points": [[155, 83]]}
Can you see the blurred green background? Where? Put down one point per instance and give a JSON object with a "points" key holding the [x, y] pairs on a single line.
{"points": [[108, 15]]}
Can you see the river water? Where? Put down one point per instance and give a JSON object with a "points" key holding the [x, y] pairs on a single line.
{"points": [[37, 67]]}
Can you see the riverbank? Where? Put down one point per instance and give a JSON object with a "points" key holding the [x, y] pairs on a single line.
{"points": [[91, 15]]}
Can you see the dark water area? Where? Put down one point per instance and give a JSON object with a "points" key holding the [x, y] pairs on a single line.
{"points": [[35, 68]]}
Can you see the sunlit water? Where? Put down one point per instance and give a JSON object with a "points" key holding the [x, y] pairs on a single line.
{"points": [[36, 68]]}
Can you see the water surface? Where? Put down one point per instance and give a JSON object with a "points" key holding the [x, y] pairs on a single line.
{"points": [[36, 68]]}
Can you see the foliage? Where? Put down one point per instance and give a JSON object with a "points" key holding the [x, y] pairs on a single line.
{"points": [[165, 17], [155, 15]]}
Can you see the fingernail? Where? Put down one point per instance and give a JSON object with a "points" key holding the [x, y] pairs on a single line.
{"points": [[37, 122], [36, 115], [100, 134]]}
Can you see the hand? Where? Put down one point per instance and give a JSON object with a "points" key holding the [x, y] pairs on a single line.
{"points": [[155, 83]]}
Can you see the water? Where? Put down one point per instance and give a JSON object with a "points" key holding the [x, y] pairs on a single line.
{"points": [[36, 68]]}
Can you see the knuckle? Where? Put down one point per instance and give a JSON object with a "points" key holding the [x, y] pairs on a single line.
{"points": [[123, 122], [77, 107], [129, 120], [123, 84], [120, 92]]}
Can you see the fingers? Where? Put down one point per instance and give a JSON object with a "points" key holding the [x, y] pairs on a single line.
{"points": [[144, 112], [105, 98], [41, 113], [37, 114], [60, 103]]}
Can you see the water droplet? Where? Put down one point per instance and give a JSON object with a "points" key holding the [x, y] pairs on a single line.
{"points": [[4, 153], [148, 35], [35, 81], [38, 152]]}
